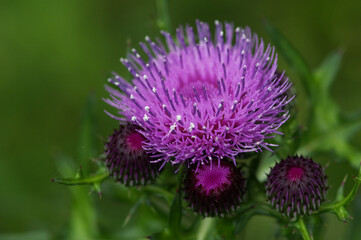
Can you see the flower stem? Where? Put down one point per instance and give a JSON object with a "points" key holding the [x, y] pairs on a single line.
{"points": [[82, 181], [204, 228], [345, 201], [300, 225]]}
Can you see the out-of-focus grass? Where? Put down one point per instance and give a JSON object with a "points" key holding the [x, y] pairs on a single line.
{"points": [[53, 53]]}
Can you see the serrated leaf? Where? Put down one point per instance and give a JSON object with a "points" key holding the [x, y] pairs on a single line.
{"points": [[79, 174], [328, 70], [326, 112], [338, 207], [292, 57], [340, 192], [175, 216], [97, 187], [97, 178], [267, 161], [336, 139]]}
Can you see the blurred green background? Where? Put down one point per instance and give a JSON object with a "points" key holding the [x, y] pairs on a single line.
{"points": [[53, 54]]}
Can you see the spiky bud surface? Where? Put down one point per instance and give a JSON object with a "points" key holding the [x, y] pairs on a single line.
{"points": [[296, 186], [214, 190], [126, 160]]}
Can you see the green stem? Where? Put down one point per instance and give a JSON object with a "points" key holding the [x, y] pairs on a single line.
{"points": [[265, 210], [163, 15], [345, 201], [82, 181], [204, 228], [300, 225]]}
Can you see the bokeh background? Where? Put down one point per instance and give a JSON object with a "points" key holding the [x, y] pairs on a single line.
{"points": [[54, 54]]}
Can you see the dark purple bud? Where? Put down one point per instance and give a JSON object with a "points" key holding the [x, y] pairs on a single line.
{"points": [[214, 189], [126, 160], [296, 186]]}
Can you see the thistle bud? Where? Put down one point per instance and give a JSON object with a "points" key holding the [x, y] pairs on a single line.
{"points": [[214, 189], [296, 186], [126, 160]]}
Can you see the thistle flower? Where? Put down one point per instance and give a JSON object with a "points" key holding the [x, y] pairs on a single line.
{"points": [[199, 98], [214, 190], [296, 186], [126, 160]]}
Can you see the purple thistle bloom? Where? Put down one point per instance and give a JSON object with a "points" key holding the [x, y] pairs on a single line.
{"points": [[296, 186], [125, 158], [203, 99], [214, 190]]}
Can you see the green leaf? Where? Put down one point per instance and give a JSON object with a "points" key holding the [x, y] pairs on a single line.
{"points": [[173, 231], [268, 160], [79, 174], [83, 221], [292, 57], [206, 226], [328, 70], [225, 228], [335, 139], [338, 207], [341, 132], [175, 216], [81, 180], [326, 112]]}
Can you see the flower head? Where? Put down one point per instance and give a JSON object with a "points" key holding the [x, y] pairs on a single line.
{"points": [[125, 158], [296, 186], [214, 190], [201, 97]]}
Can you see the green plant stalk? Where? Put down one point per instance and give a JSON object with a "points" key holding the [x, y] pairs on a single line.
{"points": [[300, 225], [345, 201], [82, 181], [204, 228]]}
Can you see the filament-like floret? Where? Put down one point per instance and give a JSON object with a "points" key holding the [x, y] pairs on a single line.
{"points": [[203, 99]]}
